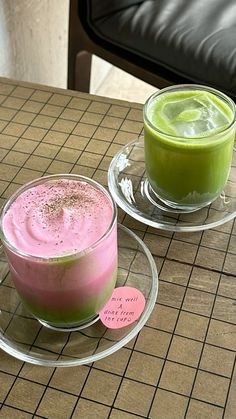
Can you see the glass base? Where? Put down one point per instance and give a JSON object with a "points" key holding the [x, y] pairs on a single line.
{"points": [[166, 205], [69, 327]]}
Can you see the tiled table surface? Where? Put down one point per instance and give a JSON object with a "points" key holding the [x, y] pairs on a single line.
{"points": [[182, 363]]}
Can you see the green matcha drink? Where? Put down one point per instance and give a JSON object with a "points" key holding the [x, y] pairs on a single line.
{"points": [[189, 132]]}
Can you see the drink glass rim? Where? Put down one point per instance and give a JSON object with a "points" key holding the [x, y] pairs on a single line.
{"points": [[188, 87], [43, 179]]}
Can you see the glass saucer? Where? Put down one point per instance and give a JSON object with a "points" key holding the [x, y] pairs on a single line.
{"points": [[23, 337], [130, 189]]}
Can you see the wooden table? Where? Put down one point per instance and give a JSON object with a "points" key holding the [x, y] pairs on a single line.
{"points": [[182, 363]]}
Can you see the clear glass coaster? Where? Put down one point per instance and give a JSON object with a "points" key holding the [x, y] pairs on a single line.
{"points": [[23, 337], [130, 188]]}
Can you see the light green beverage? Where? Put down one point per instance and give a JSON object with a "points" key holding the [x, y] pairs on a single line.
{"points": [[189, 132]]}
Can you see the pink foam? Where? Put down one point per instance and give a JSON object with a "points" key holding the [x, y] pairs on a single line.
{"points": [[58, 217]]}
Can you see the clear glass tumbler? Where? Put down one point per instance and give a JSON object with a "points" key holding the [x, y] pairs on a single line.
{"points": [[65, 290], [189, 133]]}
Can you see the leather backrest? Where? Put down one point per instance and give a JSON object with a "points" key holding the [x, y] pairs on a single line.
{"points": [[102, 8]]}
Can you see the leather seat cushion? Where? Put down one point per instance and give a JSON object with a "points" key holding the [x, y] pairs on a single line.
{"points": [[193, 38]]}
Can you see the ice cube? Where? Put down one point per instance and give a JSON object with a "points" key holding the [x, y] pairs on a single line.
{"points": [[214, 115], [194, 116], [191, 128], [172, 110]]}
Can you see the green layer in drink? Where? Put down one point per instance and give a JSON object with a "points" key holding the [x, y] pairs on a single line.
{"points": [[70, 313]]}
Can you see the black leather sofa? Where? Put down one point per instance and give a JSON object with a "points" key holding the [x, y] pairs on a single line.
{"points": [[162, 42]]}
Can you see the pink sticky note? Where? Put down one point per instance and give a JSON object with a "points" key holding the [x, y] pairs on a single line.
{"points": [[124, 307]]}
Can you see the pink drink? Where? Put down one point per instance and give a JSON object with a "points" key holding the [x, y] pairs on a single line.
{"points": [[60, 237]]}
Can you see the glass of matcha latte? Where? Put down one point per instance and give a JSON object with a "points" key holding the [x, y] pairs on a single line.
{"points": [[189, 133]]}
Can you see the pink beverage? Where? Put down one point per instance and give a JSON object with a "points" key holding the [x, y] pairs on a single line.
{"points": [[59, 234]]}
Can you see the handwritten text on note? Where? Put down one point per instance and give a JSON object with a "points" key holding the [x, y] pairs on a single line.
{"points": [[124, 307]]}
